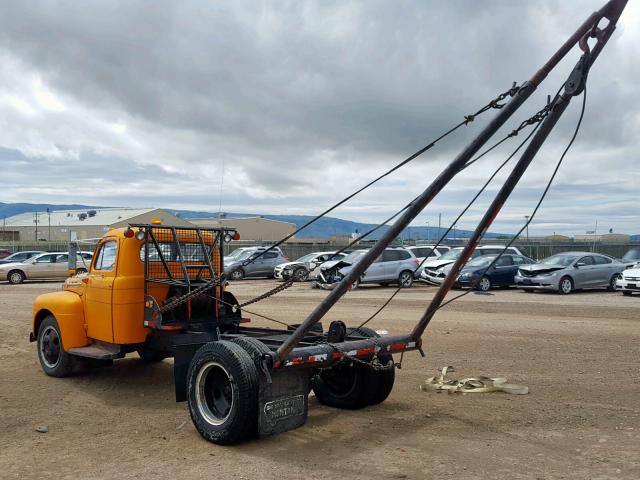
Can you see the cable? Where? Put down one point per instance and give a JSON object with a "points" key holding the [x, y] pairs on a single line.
{"points": [[533, 120], [495, 103], [471, 202], [544, 194]]}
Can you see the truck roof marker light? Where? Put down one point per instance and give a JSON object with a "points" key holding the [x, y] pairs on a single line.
{"points": [[236, 236], [129, 233], [156, 221]]}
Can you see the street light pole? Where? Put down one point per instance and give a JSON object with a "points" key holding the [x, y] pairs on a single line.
{"points": [[526, 217], [36, 222]]}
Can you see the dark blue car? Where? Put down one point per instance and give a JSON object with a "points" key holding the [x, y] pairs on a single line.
{"points": [[501, 274]]}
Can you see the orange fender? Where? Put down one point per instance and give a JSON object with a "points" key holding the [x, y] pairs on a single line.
{"points": [[68, 309]]}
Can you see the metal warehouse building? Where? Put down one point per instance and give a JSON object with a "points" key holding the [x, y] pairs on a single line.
{"points": [[250, 228], [65, 225]]}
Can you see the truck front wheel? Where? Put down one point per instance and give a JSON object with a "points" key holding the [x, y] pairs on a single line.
{"points": [[53, 359], [222, 392]]}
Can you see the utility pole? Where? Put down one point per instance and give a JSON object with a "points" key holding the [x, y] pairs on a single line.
{"points": [[49, 215], [526, 217], [36, 222]]}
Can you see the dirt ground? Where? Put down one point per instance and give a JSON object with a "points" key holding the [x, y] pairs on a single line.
{"points": [[578, 354]]}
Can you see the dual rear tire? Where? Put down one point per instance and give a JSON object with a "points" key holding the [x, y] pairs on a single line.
{"points": [[355, 385], [222, 392]]}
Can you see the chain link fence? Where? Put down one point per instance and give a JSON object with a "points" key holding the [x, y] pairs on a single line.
{"points": [[295, 250]]}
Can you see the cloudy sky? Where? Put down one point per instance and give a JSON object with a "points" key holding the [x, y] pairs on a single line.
{"points": [[284, 107]]}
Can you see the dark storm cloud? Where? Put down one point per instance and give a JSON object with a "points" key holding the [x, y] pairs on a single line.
{"points": [[301, 101]]}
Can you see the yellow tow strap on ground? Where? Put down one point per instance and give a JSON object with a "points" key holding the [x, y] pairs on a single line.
{"points": [[471, 385]]}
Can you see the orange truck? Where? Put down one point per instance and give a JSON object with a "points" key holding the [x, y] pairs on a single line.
{"points": [[160, 291]]}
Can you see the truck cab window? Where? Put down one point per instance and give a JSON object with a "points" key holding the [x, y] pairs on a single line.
{"points": [[106, 258]]}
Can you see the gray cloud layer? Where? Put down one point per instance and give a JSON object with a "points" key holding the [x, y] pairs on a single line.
{"points": [[137, 104]]}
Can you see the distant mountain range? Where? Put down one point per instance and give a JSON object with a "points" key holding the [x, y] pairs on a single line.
{"points": [[323, 228], [330, 226]]}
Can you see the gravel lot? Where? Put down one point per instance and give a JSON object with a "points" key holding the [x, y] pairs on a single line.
{"points": [[578, 354]]}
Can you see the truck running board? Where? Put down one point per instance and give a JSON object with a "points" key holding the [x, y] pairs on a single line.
{"points": [[98, 351]]}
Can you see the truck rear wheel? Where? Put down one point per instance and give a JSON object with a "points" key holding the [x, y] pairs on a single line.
{"points": [[345, 385], [354, 385], [255, 348], [53, 359], [222, 392], [386, 377]]}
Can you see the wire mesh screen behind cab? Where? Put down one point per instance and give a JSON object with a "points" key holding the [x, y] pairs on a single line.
{"points": [[181, 254]]}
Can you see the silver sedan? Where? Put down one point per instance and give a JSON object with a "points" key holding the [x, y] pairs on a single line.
{"points": [[569, 271]]}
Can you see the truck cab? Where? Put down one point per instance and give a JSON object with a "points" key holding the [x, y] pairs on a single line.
{"points": [[118, 305]]}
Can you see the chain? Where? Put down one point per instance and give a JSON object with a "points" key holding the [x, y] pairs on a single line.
{"points": [[374, 364], [268, 294], [216, 282], [536, 118], [495, 103]]}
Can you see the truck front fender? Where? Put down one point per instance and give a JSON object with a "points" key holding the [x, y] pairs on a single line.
{"points": [[68, 310]]}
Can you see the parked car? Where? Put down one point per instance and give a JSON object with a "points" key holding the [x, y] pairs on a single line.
{"points": [[394, 265], [631, 258], [423, 252], [501, 274], [305, 267], [569, 271], [263, 266], [434, 271], [629, 280], [40, 267], [20, 256], [242, 252], [4, 253]]}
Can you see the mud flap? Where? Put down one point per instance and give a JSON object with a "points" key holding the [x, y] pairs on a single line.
{"points": [[283, 401]]}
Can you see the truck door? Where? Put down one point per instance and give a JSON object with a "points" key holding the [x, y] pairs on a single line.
{"points": [[99, 292]]}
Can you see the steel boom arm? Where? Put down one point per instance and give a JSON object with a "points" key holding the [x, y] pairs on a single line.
{"points": [[611, 11]]}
